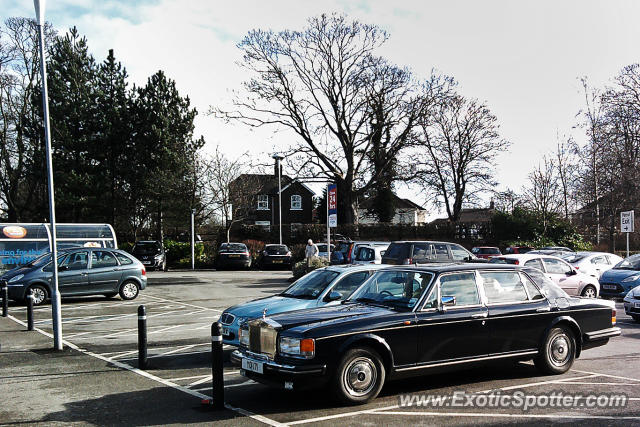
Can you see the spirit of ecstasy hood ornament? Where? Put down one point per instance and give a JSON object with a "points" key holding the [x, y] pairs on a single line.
{"points": [[264, 313]]}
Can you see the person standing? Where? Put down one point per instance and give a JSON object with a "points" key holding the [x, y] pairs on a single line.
{"points": [[310, 252]]}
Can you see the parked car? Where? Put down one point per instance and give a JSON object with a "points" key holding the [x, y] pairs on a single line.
{"points": [[556, 248], [233, 255], [322, 250], [485, 252], [632, 303], [275, 256], [592, 263], [411, 320], [418, 252], [552, 252], [151, 254], [370, 254], [357, 246], [621, 278], [346, 250], [81, 271], [561, 272], [517, 250], [324, 286]]}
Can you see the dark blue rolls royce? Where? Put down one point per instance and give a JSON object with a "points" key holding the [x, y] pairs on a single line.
{"points": [[411, 320]]}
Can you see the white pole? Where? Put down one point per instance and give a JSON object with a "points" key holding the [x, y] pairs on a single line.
{"points": [[627, 245], [328, 229], [193, 240], [55, 294], [279, 198]]}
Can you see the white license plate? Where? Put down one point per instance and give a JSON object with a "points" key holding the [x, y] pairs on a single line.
{"points": [[226, 331], [609, 287], [636, 305], [146, 262], [253, 366], [277, 261]]}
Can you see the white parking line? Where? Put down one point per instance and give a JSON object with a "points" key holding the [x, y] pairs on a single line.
{"points": [[183, 303], [607, 375], [201, 380], [592, 383], [179, 349], [152, 377]]}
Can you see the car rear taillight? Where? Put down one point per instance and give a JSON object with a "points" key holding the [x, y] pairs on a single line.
{"points": [[144, 271], [613, 317], [407, 261], [246, 253], [577, 268], [517, 262]]}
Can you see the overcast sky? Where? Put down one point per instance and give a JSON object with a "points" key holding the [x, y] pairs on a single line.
{"points": [[522, 58]]}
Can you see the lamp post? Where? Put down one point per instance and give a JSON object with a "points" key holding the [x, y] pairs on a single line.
{"points": [[55, 294], [279, 158], [193, 240]]}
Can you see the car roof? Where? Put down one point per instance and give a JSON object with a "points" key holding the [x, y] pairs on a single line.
{"points": [[527, 256], [346, 268], [424, 241], [455, 266]]}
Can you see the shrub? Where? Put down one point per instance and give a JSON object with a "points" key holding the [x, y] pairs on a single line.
{"points": [[300, 268], [179, 254], [255, 249]]}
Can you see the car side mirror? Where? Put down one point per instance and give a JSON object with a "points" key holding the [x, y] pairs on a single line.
{"points": [[447, 301], [333, 296], [63, 267], [572, 273]]}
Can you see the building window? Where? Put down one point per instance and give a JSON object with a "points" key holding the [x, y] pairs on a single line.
{"points": [[263, 202], [296, 202]]}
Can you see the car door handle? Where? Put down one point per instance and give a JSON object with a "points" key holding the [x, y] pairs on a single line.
{"points": [[543, 309], [479, 315]]}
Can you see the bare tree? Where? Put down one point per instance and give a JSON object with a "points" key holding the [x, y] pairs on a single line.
{"points": [[567, 165], [458, 144], [227, 193], [543, 194], [325, 84], [507, 200]]}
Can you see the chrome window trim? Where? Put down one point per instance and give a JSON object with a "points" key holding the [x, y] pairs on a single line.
{"points": [[481, 301], [469, 360]]}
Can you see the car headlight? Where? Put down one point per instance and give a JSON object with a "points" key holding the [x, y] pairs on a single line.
{"points": [[295, 347], [631, 278], [15, 278], [243, 336]]}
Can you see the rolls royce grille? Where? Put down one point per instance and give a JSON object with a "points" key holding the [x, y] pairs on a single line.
{"points": [[262, 338]]}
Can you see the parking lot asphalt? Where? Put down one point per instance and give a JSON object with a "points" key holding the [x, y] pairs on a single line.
{"points": [[95, 380]]}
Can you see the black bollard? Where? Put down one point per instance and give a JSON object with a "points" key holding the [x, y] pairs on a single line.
{"points": [[217, 380], [142, 337], [5, 300], [29, 312]]}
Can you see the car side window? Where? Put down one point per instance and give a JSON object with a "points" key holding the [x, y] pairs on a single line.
{"points": [[124, 260], [366, 254], [555, 266], [77, 261], [432, 301], [441, 252], [459, 253], [348, 284], [599, 260], [503, 287], [536, 263], [461, 286], [532, 289], [421, 251], [102, 259]]}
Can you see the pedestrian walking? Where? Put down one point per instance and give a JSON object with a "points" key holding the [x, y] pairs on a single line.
{"points": [[310, 252]]}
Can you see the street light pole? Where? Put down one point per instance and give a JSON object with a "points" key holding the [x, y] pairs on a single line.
{"points": [[55, 294], [193, 240], [278, 158]]}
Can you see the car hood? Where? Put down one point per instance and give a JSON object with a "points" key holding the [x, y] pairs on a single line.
{"points": [[274, 304], [15, 271], [617, 275], [340, 312]]}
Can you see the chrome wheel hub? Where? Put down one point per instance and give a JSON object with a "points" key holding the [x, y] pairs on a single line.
{"points": [[129, 290], [590, 293], [38, 296], [559, 350], [360, 376]]}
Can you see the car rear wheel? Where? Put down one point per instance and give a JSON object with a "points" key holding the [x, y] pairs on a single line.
{"points": [[359, 377], [589, 291], [39, 294], [557, 352], [129, 290]]}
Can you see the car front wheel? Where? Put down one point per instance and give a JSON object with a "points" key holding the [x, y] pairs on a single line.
{"points": [[359, 377], [557, 352], [589, 291], [39, 294], [129, 290]]}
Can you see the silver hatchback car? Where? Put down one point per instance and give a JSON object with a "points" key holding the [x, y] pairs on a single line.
{"points": [[81, 271]]}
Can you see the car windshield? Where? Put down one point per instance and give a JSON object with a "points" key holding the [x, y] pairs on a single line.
{"points": [[571, 258], [548, 287], [399, 290], [311, 285], [342, 247], [397, 250], [233, 247], [486, 251], [631, 263], [147, 247], [276, 249]]}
